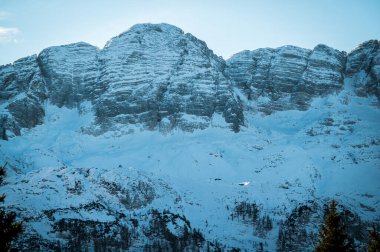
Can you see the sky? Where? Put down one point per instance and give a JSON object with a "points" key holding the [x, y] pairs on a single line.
{"points": [[29, 26]]}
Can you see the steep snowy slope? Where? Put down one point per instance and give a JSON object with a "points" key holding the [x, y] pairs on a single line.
{"points": [[130, 146], [290, 158]]}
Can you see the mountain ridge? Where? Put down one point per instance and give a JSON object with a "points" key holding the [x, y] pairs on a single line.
{"points": [[145, 71]]}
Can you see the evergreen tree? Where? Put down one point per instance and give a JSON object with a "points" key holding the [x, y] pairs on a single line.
{"points": [[332, 235], [4, 134], [9, 228], [374, 241]]}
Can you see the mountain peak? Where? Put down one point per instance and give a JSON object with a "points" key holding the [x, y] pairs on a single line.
{"points": [[71, 46], [145, 29], [372, 44], [160, 27]]}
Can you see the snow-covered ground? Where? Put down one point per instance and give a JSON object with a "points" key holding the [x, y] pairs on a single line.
{"points": [[329, 151]]}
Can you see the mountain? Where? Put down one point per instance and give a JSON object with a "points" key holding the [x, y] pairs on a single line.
{"points": [[289, 76], [155, 142], [152, 75]]}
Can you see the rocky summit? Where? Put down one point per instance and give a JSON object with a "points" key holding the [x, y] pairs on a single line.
{"points": [[153, 75], [154, 143]]}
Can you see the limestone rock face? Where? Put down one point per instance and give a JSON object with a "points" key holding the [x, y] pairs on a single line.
{"points": [[287, 77], [22, 92], [323, 75], [363, 66], [70, 73], [152, 75], [160, 77]]}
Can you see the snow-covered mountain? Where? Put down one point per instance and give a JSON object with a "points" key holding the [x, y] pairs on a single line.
{"points": [[154, 141], [152, 75]]}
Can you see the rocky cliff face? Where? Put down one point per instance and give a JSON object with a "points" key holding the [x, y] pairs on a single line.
{"points": [[287, 77], [152, 75], [157, 77], [22, 92], [363, 66], [70, 73]]}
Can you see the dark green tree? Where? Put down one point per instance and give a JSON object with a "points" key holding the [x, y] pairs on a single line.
{"points": [[9, 228], [332, 234], [374, 241], [4, 134]]}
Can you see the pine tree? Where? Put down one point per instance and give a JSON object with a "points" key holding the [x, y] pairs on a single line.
{"points": [[374, 241], [4, 134], [9, 228], [332, 235]]}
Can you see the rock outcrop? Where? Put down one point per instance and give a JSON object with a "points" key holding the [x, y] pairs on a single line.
{"points": [[363, 66], [22, 93], [287, 77], [70, 73]]}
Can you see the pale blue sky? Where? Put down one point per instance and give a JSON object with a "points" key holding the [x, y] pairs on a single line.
{"points": [[28, 26]]}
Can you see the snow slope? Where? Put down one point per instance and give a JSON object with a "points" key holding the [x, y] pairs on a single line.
{"points": [[289, 158]]}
